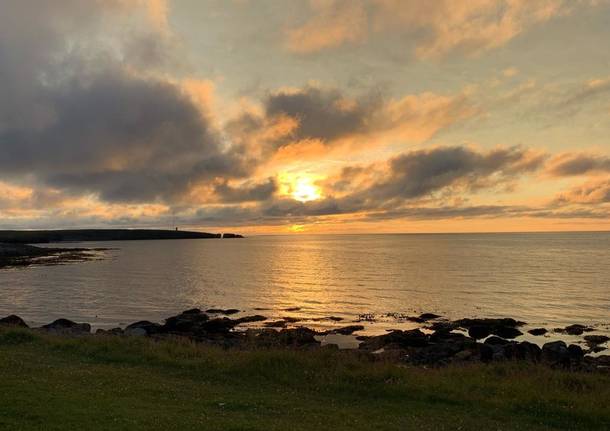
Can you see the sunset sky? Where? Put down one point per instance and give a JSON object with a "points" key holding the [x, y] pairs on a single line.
{"points": [[277, 116]]}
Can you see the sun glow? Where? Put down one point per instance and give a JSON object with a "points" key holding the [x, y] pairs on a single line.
{"points": [[300, 187]]}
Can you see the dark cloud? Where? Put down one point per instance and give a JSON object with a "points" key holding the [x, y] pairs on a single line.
{"points": [[578, 164], [86, 121], [592, 192], [248, 192]]}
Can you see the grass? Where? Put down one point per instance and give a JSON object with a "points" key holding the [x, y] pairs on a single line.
{"points": [[113, 383]]}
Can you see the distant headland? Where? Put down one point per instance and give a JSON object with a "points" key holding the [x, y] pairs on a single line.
{"points": [[82, 235]]}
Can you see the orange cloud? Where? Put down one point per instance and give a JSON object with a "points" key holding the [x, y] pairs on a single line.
{"points": [[334, 23], [436, 28]]}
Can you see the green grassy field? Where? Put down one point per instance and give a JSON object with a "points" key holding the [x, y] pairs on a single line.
{"points": [[106, 383]]}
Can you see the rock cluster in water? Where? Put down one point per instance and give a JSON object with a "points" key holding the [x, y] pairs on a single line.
{"points": [[444, 342]]}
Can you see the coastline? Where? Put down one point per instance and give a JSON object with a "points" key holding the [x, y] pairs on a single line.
{"points": [[437, 342]]}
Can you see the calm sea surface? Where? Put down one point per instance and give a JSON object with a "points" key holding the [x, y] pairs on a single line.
{"points": [[551, 279]]}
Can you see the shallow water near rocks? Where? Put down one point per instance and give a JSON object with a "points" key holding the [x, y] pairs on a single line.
{"points": [[546, 279]]}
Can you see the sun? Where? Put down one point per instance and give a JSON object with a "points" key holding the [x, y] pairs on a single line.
{"points": [[304, 190]]}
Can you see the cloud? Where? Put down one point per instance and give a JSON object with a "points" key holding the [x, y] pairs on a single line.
{"points": [[433, 29], [80, 117], [591, 192], [296, 121], [246, 192], [334, 23], [571, 164]]}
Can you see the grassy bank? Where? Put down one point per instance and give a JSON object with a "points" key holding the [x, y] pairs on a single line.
{"points": [[93, 383]]}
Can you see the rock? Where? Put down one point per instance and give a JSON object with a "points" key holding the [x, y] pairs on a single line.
{"points": [[528, 351], [593, 340], [442, 326], [575, 351], [255, 318], [335, 318], [478, 331], [291, 319], [276, 324], [297, 337], [346, 330], [574, 329], [218, 325], [412, 338], [143, 327], [226, 312], [602, 361], [463, 355], [596, 349], [486, 352], [538, 331], [496, 341], [428, 316], [505, 321], [188, 321], [506, 332], [13, 320], [292, 309], [555, 352], [66, 326]]}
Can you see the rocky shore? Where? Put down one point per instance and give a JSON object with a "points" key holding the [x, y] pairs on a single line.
{"points": [[438, 342], [14, 255]]}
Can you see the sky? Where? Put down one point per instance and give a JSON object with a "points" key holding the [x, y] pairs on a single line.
{"points": [[297, 116]]}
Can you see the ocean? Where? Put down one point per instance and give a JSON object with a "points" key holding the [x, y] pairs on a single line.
{"points": [[545, 279]]}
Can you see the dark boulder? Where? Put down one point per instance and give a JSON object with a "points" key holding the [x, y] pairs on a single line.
{"points": [[297, 337], [346, 330], [555, 352], [479, 331], [188, 321], [411, 338], [493, 322], [218, 325], [335, 318], [13, 320], [538, 331], [594, 340], [428, 316], [575, 352], [507, 332], [66, 326], [523, 351], [255, 318], [113, 331], [143, 327], [496, 341], [226, 312], [276, 324], [574, 329]]}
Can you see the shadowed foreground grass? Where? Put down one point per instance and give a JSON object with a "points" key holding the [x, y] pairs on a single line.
{"points": [[112, 383]]}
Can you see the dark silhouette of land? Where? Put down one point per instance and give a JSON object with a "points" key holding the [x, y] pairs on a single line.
{"points": [[81, 235]]}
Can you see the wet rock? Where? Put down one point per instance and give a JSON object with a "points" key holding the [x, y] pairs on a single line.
{"points": [[13, 320], [538, 331], [442, 326], [292, 309], [523, 351], [496, 341], [428, 316], [143, 327], [276, 324], [298, 337], [188, 321], [335, 318], [218, 325], [479, 331], [368, 317], [412, 338], [555, 352], [291, 319], [596, 349], [250, 319], [65, 326], [226, 312], [576, 353], [492, 322], [574, 329], [506, 332], [594, 340], [602, 361], [346, 330]]}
